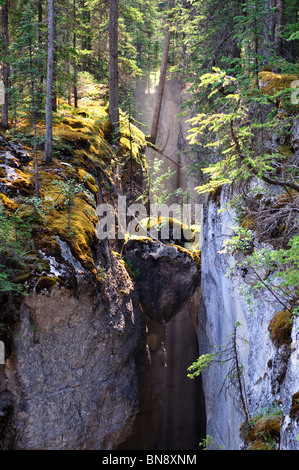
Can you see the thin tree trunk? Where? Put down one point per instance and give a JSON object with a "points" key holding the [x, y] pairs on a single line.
{"points": [[40, 65], [159, 96], [113, 68], [5, 66], [75, 60], [47, 158], [86, 37], [36, 175], [55, 94], [278, 27], [68, 69], [268, 30]]}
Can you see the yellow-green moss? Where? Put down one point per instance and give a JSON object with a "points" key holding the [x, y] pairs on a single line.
{"points": [[285, 151], [88, 180], [280, 328], [80, 139], [22, 181], [8, 203], [194, 254], [158, 222], [271, 83], [46, 282], [81, 233]]}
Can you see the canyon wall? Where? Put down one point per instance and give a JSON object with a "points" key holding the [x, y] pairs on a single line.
{"points": [[270, 371], [70, 382]]}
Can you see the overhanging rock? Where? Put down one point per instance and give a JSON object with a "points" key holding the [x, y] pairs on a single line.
{"points": [[167, 276]]}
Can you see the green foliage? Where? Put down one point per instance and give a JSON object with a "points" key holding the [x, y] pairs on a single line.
{"points": [[228, 355], [158, 183], [15, 243], [240, 242], [132, 271], [68, 190], [201, 363], [282, 263], [101, 275], [208, 443], [232, 135]]}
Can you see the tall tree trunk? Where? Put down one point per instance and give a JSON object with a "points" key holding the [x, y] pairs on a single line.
{"points": [[163, 70], [5, 65], [40, 64], [75, 66], [68, 70], [113, 68], [54, 93], [86, 37], [47, 158], [268, 30], [278, 27], [33, 110]]}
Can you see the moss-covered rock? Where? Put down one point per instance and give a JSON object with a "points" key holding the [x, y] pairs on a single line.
{"points": [[271, 83], [46, 283], [80, 146], [294, 411], [280, 328], [262, 432], [172, 230]]}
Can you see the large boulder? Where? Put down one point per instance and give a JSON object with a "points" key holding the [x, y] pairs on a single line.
{"points": [[167, 276]]}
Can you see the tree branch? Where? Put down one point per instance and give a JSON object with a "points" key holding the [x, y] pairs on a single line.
{"points": [[254, 171]]}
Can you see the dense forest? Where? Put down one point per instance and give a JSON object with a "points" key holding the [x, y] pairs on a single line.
{"points": [[240, 61], [70, 70]]}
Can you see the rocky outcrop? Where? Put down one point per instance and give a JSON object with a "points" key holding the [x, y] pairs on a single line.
{"points": [[167, 276], [71, 377]]}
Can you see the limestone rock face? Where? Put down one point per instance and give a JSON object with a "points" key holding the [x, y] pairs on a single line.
{"points": [[270, 371], [71, 380], [167, 276]]}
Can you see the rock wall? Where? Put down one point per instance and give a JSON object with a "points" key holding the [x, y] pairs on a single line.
{"points": [[270, 371], [71, 379]]}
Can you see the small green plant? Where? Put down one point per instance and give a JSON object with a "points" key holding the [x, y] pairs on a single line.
{"points": [[101, 275], [69, 190], [15, 243], [209, 442], [283, 263], [242, 241], [157, 183], [39, 205], [262, 431], [133, 271]]}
